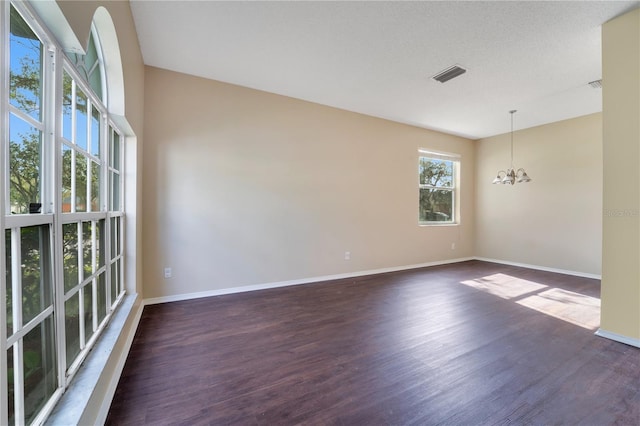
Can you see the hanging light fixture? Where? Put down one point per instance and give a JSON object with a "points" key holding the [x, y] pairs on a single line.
{"points": [[511, 176]]}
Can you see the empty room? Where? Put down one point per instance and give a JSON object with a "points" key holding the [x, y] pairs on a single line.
{"points": [[320, 213]]}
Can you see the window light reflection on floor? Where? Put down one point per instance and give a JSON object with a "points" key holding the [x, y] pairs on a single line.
{"points": [[504, 286], [575, 308]]}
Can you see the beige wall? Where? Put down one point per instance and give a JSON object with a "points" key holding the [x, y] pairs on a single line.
{"points": [[621, 248], [556, 220], [245, 187]]}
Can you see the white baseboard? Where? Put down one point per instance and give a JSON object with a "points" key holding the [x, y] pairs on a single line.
{"points": [[541, 268], [618, 338], [242, 289], [122, 358]]}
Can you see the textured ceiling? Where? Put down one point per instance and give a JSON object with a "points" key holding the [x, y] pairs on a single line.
{"points": [[377, 58]]}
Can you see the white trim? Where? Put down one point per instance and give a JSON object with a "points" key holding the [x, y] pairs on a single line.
{"points": [[541, 268], [27, 220], [117, 372], [265, 286], [618, 338]]}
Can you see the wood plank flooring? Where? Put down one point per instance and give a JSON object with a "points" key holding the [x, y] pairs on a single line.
{"points": [[472, 343]]}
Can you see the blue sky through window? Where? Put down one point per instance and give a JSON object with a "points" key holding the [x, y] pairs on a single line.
{"points": [[25, 68]]}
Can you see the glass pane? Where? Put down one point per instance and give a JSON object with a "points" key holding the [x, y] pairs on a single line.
{"points": [[67, 106], [436, 205], [11, 380], [90, 61], [100, 241], [116, 151], [87, 246], [72, 328], [81, 182], [115, 281], [81, 119], [9, 303], [115, 236], [115, 192], [78, 60], [434, 172], [102, 297], [25, 87], [36, 272], [95, 186], [95, 131], [88, 313], [39, 363], [95, 81], [67, 159], [24, 164], [70, 255]]}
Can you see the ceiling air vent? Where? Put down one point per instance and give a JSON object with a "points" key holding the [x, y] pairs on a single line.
{"points": [[596, 84], [449, 73]]}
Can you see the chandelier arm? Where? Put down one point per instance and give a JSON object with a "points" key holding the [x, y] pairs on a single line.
{"points": [[512, 112]]}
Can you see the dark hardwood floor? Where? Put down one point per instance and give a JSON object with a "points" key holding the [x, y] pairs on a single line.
{"points": [[472, 343]]}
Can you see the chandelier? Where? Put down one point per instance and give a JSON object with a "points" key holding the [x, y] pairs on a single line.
{"points": [[511, 176]]}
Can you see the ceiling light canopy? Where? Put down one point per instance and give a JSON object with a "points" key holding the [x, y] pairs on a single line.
{"points": [[511, 176]]}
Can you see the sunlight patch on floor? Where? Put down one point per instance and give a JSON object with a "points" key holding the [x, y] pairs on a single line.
{"points": [[504, 286], [576, 308]]}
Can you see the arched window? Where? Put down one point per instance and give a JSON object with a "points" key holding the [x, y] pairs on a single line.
{"points": [[90, 66], [62, 213]]}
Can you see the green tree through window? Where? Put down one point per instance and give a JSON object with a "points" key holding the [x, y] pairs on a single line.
{"points": [[437, 190]]}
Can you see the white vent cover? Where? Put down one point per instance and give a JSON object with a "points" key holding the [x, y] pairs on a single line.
{"points": [[449, 73], [596, 84]]}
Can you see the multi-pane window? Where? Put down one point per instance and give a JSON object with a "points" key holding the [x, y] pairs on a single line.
{"points": [[63, 214], [437, 174]]}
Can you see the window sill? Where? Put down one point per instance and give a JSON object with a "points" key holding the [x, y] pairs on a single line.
{"points": [[426, 224], [75, 400]]}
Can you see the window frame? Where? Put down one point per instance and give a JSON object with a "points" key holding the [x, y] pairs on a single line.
{"points": [[52, 218], [454, 189]]}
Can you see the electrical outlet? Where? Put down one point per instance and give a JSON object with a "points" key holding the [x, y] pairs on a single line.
{"points": [[347, 255], [453, 246], [167, 272]]}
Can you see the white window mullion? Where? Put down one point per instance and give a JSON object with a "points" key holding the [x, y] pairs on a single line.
{"points": [[104, 163], [47, 181], [58, 262], [16, 278], [4, 109], [4, 135], [81, 316], [94, 304], [18, 383], [94, 268], [121, 173], [16, 291], [26, 117], [74, 136], [87, 207], [107, 133], [73, 181], [80, 279]]}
